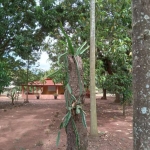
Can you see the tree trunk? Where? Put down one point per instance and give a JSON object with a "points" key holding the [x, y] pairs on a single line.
{"points": [[117, 100], [26, 100], [77, 88], [124, 109], [93, 117], [104, 94], [141, 73], [27, 80], [12, 101]]}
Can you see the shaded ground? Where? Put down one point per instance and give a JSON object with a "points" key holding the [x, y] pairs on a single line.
{"points": [[34, 126]]}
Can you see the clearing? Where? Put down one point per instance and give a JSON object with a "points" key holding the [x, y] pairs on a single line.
{"points": [[34, 126]]}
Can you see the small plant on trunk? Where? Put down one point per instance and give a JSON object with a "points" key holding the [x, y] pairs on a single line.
{"points": [[74, 121]]}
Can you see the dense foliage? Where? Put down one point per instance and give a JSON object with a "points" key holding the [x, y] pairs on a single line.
{"points": [[20, 36], [113, 40], [25, 24], [4, 76], [114, 46], [18, 27]]}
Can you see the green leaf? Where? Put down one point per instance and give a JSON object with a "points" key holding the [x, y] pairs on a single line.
{"points": [[58, 138], [69, 108], [61, 125], [68, 88], [76, 133], [70, 46], [62, 55], [73, 97], [83, 118], [77, 110], [80, 50], [66, 119], [54, 73]]}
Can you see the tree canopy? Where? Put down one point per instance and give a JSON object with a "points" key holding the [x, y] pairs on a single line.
{"points": [[18, 27], [113, 39], [4, 76], [20, 35], [25, 24]]}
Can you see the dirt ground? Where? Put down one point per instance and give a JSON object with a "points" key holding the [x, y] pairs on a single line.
{"points": [[34, 126]]}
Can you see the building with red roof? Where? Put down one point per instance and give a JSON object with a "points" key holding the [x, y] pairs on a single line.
{"points": [[43, 90]]}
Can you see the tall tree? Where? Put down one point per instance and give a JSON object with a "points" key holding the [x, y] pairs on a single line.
{"points": [[30, 59], [141, 73], [93, 127], [113, 20], [4, 76]]}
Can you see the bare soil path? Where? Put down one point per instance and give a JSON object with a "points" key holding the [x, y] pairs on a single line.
{"points": [[34, 126]]}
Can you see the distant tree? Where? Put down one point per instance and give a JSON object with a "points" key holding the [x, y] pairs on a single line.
{"points": [[4, 76], [30, 58], [141, 74], [101, 77], [113, 34], [18, 71], [20, 33]]}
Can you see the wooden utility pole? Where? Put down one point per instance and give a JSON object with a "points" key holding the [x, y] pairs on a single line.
{"points": [[93, 127]]}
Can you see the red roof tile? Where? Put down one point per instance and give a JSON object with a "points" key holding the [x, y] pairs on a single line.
{"points": [[46, 82]]}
